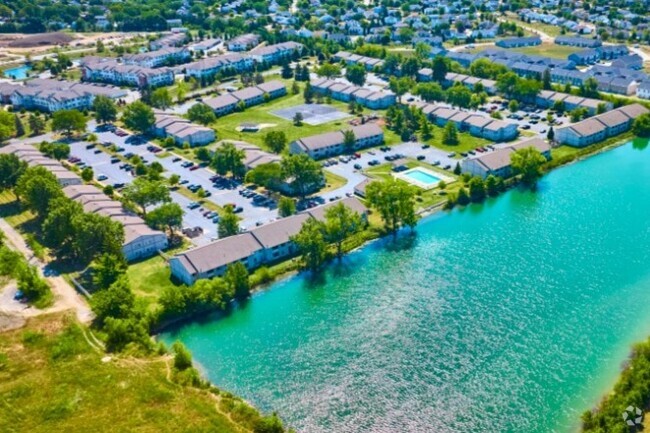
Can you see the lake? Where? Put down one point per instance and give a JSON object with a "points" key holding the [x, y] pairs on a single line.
{"points": [[514, 315]]}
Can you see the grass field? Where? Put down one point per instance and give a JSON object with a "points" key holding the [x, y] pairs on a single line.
{"points": [[227, 126], [545, 49], [52, 380]]}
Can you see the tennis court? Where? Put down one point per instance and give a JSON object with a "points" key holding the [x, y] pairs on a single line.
{"points": [[312, 114]]}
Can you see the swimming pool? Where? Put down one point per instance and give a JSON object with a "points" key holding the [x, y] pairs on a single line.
{"points": [[19, 73], [422, 176]]}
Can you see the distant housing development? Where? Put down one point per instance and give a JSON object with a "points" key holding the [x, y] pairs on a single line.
{"points": [[109, 71], [162, 57], [248, 96], [600, 127], [472, 122], [519, 42], [228, 63], [54, 95], [375, 100], [263, 245]]}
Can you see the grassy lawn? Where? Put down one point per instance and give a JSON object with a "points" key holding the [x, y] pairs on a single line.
{"points": [[562, 151], [51, 379], [549, 50], [546, 28], [466, 141], [149, 278], [332, 181], [227, 126], [426, 198]]}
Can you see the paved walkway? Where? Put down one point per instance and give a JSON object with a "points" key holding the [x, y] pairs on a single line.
{"points": [[65, 296]]}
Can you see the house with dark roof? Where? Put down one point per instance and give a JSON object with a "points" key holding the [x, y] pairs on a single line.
{"points": [[497, 162], [263, 245], [332, 143], [519, 42], [577, 41], [600, 127]]}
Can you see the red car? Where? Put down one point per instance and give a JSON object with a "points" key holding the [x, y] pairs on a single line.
{"points": [[194, 167]]}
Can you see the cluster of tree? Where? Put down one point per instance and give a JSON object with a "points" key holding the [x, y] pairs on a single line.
{"points": [[641, 126], [55, 150], [13, 265], [139, 117], [201, 113], [475, 190], [205, 294], [315, 236], [395, 202], [407, 120], [69, 121], [302, 175], [7, 125], [528, 164]]}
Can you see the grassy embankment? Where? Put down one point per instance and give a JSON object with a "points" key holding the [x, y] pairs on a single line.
{"points": [[53, 379]]}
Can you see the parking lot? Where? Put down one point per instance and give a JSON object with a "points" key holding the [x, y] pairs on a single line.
{"points": [[221, 195]]}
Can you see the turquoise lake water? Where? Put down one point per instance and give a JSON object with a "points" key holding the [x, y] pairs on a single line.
{"points": [[18, 73], [512, 316]]}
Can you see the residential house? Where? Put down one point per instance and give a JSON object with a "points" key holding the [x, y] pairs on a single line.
{"points": [[161, 57], [577, 41], [182, 130], [600, 127], [243, 42], [109, 71], [497, 162], [332, 143], [228, 63], [277, 53], [519, 42], [248, 96]]}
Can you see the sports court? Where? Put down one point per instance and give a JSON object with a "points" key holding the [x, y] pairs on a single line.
{"points": [[312, 114]]}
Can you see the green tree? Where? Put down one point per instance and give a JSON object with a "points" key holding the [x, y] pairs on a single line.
{"points": [[328, 70], [166, 216], [491, 185], [459, 96], [11, 169], [276, 141], [356, 74], [144, 192], [182, 356], [430, 92], [138, 116], [395, 202], [87, 174], [341, 222], [160, 98], [37, 187], [457, 169], [426, 130], [527, 162], [105, 109], [546, 80], [463, 198], [641, 126], [286, 207], [36, 124], [20, 129], [95, 235], [181, 91], [7, 125], [513, 106], [117, 302], [450, 134], [477, 189], [440, 68], [550, 134], [311, 244], [559, 106], [269, 424], [228, 159], [401, 85], [268, 175], [297, 119], [68, 121], [228, 223], [236, 277], [349, 140], [303, 173], [106, 269], [58, 230], [201, 113], [32, 285]]}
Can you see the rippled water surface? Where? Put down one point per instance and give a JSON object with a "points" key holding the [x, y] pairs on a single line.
{"points": [[511, 316]]}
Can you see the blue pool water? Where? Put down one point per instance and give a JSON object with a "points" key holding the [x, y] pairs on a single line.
{"points": [[19, 73], [422, 176]]}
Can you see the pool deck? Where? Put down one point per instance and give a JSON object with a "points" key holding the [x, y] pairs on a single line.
{"points": [[426, 186]]}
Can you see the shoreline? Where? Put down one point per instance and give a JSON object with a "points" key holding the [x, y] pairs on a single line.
{"points": [[594, 150]]}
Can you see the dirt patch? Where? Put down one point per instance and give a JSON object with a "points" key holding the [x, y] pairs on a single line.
{"points": [[10, 321], [41, 39]]}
